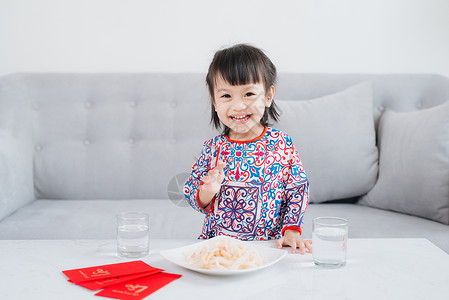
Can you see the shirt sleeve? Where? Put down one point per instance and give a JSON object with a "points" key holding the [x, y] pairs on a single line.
{"points": [[199, 169], [296, 193]]}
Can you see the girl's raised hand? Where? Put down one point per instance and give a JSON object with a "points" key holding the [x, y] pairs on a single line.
{"points": [[214, 178]]}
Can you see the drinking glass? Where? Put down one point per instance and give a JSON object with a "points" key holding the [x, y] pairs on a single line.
{"points": [[132, 234], [329, 240]]}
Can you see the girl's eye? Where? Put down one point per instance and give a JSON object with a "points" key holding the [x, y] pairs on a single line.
{"points": [[226, 96], [249, 94]]}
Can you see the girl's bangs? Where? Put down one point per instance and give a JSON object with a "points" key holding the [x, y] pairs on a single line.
{"points": [[238, 71]]}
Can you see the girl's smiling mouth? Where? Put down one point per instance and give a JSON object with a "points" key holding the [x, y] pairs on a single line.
{"points": [[240, 118]]}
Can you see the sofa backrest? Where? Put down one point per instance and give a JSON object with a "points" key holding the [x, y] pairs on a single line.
{"points": [[111, 136], [121, 136]]}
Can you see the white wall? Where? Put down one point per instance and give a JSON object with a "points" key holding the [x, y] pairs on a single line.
{"points": [[368, 36]]}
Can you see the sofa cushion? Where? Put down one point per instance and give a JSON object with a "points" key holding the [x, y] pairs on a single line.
{"points": [[414, 164], [95, 219], [335, 138]]}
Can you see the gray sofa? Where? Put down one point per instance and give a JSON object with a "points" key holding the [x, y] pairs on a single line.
{"points": [[76, 149]]}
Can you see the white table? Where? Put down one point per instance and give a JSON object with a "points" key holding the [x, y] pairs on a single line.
{"points": [[376, 269]]}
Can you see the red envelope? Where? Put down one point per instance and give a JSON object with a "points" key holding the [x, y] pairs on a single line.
{"points": [[139, 288], [107, 271], [99, 284]]}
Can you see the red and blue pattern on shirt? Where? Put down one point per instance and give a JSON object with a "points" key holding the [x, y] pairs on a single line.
{"points": [[265, 189]]}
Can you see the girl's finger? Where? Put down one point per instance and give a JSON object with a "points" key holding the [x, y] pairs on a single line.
{"points": [[278, 243], [301, 247], [292, 244], [308, 245], [220, 165]]}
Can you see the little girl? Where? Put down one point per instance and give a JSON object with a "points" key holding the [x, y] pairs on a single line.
{"points": [[248, 181]]}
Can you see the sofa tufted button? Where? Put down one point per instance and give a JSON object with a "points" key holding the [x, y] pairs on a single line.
{"points": [[173, 141], [38, 148], [88, 104], [173, 104], [381, 108], [36, 106], [131, 141], [86, 142], [419, 105], [133, 104]]}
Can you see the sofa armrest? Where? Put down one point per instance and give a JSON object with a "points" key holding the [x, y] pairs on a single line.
{"points": [[16, 147]]}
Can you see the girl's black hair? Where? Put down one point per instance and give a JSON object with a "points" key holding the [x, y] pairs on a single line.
{"points": [[238, 65]]}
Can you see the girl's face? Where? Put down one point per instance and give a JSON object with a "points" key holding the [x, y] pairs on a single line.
{"points": [[241, 107]]}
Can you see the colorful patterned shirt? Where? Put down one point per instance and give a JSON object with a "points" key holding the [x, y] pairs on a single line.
{"points": [[265, 190]]}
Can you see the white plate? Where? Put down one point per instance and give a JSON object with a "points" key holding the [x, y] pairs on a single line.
{"points": [[269, 255]]}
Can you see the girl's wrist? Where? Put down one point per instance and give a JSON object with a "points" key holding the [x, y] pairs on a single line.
{"points": [[205, 198], [291, 230]]}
